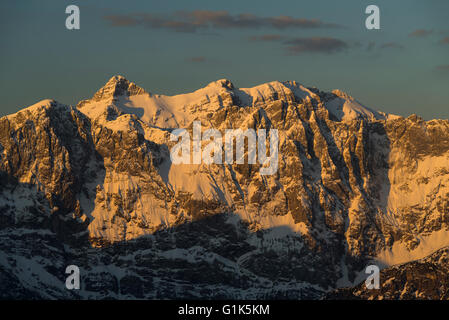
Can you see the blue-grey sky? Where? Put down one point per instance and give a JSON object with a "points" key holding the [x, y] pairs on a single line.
{"points": [[171, 47]]}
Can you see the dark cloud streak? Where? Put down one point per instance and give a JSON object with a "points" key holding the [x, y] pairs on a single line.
{"points": [[445, 40], [315, 45], [267, 38], [120, 20], [192, 21], [199, 59], [371, 45], [442, 68], [392, 45], [421, 33]]}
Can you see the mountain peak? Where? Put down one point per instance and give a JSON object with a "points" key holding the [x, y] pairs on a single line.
{"points": [[341, 94], [118, 86], [37, 107], [222, 83], [117, 78]]}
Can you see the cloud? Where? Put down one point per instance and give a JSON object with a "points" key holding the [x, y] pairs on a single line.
{"points": [[266, 37], [421, 33], [297, 46], [121, 20], [445, 40], [192, 21], [199, 59], [392, 45], [315, 44], [442, 68], [282, 22], [371, 45]]}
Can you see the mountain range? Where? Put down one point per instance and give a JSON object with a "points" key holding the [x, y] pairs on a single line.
{"points": [[93, 185]]}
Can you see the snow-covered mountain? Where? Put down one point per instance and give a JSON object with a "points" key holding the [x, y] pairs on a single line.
{"points": [[93, 185], [179, 111]]}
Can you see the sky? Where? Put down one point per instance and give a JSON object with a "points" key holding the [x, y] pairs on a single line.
{"points": [[172, 47]]}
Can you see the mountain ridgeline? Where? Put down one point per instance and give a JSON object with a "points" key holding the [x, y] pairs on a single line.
{"points": [[94, 186]]}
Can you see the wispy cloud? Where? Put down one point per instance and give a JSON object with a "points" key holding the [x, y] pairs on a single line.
{"points": [[392, 45], [442, 68], [315, 44], [199, 59], [370, 46], [121, 20], [445, 40], [192, 21], [421, 33], [267, 37]]}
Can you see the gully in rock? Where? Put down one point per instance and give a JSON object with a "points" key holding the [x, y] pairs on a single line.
{"points": [[180, 153]]}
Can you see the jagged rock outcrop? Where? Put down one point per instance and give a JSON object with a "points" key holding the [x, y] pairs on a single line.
{"points": [[424, 279]]}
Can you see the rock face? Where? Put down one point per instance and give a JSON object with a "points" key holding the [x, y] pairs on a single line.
{"points": [[94, 186], [421, 279]]}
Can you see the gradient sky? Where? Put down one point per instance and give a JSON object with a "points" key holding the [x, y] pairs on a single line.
{"points": [[168, 47]]}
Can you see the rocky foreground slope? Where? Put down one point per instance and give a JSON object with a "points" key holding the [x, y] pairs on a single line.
{"points": [[93, 186], [426, 278]]}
